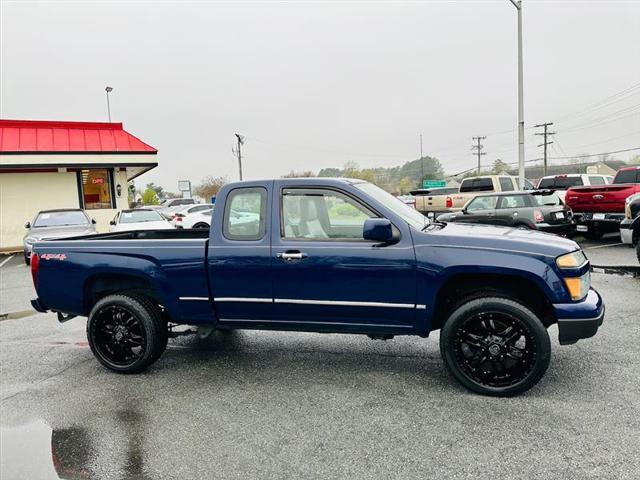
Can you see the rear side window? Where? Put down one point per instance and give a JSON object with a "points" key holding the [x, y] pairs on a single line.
{"points": [[482, 203], [245, 214], [476, 185], [627, 176], [506, 184], [596, 180], [513, 201]]}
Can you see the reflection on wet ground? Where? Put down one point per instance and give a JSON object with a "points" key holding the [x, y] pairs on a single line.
{"points": [[37, 451]]}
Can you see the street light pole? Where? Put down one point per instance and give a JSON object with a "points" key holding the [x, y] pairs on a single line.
{"points": [[108, 90], [518, 5]]}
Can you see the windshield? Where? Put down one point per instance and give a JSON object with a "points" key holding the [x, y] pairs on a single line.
{"points": [[408, 214], [135, 216], [560, 183], [60, 219]]}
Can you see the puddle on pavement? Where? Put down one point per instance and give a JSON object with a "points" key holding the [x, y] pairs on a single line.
{"points": [[633, 272], [36, 451]]}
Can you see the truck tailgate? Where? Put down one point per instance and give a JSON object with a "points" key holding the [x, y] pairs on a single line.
{"points": [[599, 199]]}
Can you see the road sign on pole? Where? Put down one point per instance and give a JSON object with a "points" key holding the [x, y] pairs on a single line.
{"points": [[433, 183]]}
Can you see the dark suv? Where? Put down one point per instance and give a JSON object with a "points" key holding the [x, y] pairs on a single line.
{"points": [[534, 210]]}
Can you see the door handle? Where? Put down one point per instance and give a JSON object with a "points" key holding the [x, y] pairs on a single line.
{"points": [[290, 256]]}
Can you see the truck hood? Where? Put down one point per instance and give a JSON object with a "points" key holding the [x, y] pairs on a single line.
{"points": [[500, 238]]}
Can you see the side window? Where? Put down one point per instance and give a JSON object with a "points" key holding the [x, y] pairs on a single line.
{"points": [[506, 184], [481, 203], [513, 201], [316, 214], [596, 180], [245, 214]]}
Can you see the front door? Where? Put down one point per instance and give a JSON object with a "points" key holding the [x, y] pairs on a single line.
{"points": [[326, 276]]}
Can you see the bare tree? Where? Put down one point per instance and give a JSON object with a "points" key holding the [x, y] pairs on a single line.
{"points": [[209, 187]]}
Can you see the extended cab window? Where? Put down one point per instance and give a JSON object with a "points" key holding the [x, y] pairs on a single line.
{"points": [[476, 185], [506, 184], [627, 176], [482, 203], [318, 214], [245, 214]]}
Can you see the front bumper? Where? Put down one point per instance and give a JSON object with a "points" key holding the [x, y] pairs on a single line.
{"points": [[626, 231], [581, 319]]}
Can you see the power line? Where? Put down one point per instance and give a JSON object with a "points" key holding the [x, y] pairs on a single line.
{"points": [[602, 103]]}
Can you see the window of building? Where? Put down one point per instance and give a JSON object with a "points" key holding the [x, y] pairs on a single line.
{"points": [[96, 189]]}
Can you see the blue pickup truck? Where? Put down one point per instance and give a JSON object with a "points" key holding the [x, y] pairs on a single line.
{"points": [[332, 256]]}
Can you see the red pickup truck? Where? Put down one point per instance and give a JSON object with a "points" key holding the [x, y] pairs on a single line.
{"points": [[599, 209]]}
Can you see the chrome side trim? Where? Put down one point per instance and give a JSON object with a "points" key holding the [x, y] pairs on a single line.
{"points": [[421, 307], [202, 299], [314, 323], [344, 303], [243, 299]]}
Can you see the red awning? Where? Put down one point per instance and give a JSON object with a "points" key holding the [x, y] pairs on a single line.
{"points": [[35, 136]]}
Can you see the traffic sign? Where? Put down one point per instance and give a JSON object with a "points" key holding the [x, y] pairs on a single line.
{"points": [[433, 183]]}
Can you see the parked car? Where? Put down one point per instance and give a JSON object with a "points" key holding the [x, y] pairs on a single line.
{"points": [[599, 209], [536, 210], [560, 183], [176, 202], [334, 256], [62, 223], [199, 219], [178, 215], [630, 226], [138, 219], [433, 205]]}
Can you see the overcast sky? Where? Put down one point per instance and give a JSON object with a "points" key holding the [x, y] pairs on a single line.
{"points": [[317, 84]]}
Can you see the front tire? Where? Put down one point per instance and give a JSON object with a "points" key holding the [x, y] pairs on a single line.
{"points": [[27, 258], [495, 346], [126, 333]]}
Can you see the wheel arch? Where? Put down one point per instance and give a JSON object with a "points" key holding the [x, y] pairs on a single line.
{"points": [[100, 285], [464, 286]]}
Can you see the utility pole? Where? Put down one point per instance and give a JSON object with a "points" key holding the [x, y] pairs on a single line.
{"points": [[477, 148], [238, 152], [545, 143], [421, 164], [108, 90], [518, 5]]}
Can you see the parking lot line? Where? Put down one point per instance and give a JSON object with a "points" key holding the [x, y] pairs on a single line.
{"points": [[6, 260], [602, 246]]}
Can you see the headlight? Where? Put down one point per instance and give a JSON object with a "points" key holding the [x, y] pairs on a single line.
{"points": [[578, 287], [30, 240], [571, 260]]}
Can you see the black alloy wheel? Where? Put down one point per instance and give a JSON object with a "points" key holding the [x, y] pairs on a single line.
{"points": [[495, 346], [126, 333]]}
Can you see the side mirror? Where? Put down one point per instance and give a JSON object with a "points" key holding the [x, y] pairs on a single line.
{"points": [[93, 220], [464, 211], [27, 225], [379, 230], [112, 222]]}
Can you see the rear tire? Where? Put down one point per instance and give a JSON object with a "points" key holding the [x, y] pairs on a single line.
{"points": [[126, 333], [495, 346], [27, 258], [201, 225], [638, 251]]}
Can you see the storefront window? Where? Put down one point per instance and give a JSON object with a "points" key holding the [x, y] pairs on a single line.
{"points": [[97, 190]]}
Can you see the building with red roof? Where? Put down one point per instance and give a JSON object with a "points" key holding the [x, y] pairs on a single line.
{"points": [[47, 165]]}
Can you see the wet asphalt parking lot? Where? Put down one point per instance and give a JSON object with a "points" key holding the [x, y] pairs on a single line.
{"points": [[296, 405]]}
